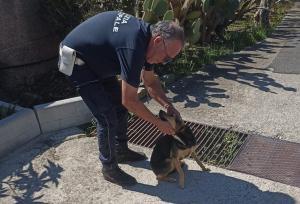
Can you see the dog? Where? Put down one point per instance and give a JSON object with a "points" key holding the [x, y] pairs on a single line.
{"points": [[170, 150]]}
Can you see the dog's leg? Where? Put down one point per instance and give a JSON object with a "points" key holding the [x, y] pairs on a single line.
{"points": [[199, 162], [180, 172], [165, 178]]}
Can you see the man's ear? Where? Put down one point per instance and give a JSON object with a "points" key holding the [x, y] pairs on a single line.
{"points": [[157, 39]]}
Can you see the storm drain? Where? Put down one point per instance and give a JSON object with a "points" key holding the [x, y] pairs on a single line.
{"points": [[270, 158], [215, 146]]}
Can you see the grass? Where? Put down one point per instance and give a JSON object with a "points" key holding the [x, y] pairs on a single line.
{"points": [[89, 129], [219, 149], [7, 111], [239, 35], [231, 143]]}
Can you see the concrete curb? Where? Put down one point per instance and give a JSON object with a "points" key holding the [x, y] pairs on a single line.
{"points": [[66, 113], [17, 129], [62, 114], [26, 124]]}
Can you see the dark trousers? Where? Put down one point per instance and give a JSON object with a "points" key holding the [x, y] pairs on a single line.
{"points": [[103, 98]]}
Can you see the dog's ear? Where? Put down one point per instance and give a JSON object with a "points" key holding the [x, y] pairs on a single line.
{"points": [[165, 117], [162, 115]]}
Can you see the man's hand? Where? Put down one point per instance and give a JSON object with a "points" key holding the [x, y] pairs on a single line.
{"points": [[172, 111], [165, 127]]}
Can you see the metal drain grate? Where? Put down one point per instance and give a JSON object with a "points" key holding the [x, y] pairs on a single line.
{"points": [[270, 158], [215, 146]]}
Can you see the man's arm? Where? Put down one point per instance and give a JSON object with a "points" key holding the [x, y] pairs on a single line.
{"points": [[131, 101], [154, 88]]}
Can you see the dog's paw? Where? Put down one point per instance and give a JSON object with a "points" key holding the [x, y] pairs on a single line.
{"points": [[167, 179]]}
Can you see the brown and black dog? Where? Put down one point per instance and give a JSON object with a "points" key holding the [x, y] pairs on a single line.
{"points": [[171, 149]]}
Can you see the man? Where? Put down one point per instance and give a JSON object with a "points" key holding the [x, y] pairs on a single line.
{"points": [[114, 43]]}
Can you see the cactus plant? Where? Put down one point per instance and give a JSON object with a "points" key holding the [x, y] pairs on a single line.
{"points": [[169, 15], [160, 8], [200, 18], [155, 10], [193, 15], [194, 33]]}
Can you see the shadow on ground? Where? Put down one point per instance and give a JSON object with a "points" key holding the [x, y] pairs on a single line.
{"points": [[205, 187], [21, 181], [202, 87]]}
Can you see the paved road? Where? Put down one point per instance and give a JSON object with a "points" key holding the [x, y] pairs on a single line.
{"points": [[288, 59]]}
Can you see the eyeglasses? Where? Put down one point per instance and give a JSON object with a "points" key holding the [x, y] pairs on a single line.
{"points": [[168, 59]]}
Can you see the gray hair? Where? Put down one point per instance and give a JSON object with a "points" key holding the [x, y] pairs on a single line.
{"points": [[168, 30]]}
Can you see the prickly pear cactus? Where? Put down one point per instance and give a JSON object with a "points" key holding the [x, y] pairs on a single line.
{"points": [[200, 18], [155, 10], [169, 16], [160, 8], [193, 15], [193, 31]]}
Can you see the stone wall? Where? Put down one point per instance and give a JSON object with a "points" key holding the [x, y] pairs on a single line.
{"points": [[28, 47]]}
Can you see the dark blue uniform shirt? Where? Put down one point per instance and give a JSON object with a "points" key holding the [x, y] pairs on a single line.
{"points": [[112, 43]]}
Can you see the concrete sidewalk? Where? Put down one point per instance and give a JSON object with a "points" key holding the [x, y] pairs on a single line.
{"points": [[240, 91], [53, 171], [243, 92]]}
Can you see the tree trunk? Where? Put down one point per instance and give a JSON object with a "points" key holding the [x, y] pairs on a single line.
{"points": [[184, 10], [138, 8], [262, 15]]}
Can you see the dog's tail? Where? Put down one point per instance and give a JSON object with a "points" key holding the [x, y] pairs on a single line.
{"points": [[195, 157]]}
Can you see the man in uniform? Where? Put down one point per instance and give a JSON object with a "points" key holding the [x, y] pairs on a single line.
{"points": [[110, 44]]}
